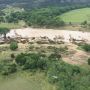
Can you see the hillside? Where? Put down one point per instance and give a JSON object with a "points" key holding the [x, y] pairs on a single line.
{"points": [[76, 16], [40, 3], [44, 44]]}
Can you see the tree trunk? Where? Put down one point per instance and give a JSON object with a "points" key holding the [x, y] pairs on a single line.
{"points": [[5, 36]]}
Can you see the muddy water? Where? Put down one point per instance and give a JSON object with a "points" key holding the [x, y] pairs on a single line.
{"points": [[50, 33]]}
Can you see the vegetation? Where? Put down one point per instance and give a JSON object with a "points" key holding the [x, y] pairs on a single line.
{"points": [[26, 81], [53, 72], [54, 16], [88, 61], [43, 3], [38, 17], [4, 31], [58, 72], [68, 77], [31, 61], [13, 45], [45, 17], [76, 16], [10, 18], [86, 47], [7, 67], [12, 25]]}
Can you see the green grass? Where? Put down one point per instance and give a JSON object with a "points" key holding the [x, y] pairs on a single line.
{"points": [[25, 81], [76, 16], [9, 25], [13, 25], [5, 52]]}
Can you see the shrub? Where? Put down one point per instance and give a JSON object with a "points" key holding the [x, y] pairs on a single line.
{"points": [[55, 56], [88, 61], [35, 61], [13, 45], [63, 75], [21, 59], [86, 47], [31, 47], [31, 61], [84, 23], [12, 56], [7, 67], [50, 47]]}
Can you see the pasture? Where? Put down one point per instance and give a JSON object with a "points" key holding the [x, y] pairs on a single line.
{"points": [[20, 24], [76, 16]]}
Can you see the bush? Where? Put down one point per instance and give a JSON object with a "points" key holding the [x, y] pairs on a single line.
{"points": [[31, 47], [31, 61], [68, 77], [84, 23], [7, 67], [55, 56], [12, 56], [21, 59], [35, 61], [88, 61], [86, 47], [13, 45]]}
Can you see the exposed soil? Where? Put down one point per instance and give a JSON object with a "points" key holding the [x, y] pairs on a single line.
{"points": [[76, 56]]}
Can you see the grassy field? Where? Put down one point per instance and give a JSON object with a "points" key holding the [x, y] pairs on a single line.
{"points": [[76, 16], [13, 25], [25, 81], [9, 25]]}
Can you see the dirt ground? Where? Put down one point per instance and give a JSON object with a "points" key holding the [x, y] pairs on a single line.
{"points": [[76, 56]]}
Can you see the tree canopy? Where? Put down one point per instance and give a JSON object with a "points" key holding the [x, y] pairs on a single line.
{"points": [[4, 31]]}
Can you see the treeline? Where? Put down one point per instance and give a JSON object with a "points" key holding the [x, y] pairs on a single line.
{"points": [[48, 16], [41, 3], [43, 17]]}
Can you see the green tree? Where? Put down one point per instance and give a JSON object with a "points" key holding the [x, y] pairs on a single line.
{"points": [[4, 31], [84, 23], [31, 61], [1, 19]]}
